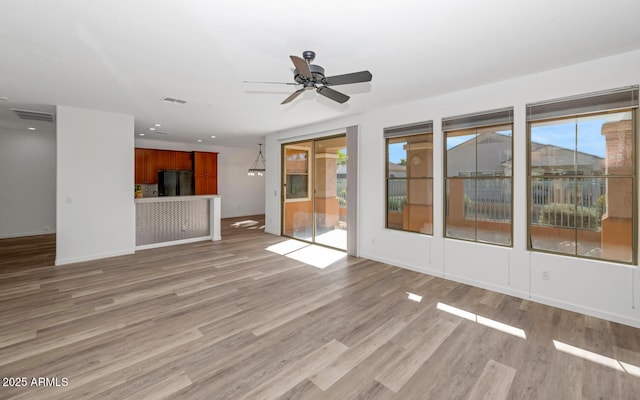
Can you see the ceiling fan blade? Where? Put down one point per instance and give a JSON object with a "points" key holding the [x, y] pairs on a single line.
{"points": [[273, 83], [293, 96], [355, 77], [333, 94], [302, 66]]}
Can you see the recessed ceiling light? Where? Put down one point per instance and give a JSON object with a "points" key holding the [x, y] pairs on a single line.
{"points": [[152, 129], [32, 128], [140, 134], [157, 125], [213, 137], [199, 140]]}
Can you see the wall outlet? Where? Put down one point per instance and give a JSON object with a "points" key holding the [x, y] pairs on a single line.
{"points": [[546, 275]]}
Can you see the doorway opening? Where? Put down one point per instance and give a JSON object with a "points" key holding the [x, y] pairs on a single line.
{"points": [[314, 188]]}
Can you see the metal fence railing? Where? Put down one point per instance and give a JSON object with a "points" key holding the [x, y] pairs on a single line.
{"points": [[568, 203], [396, 194], [571, 203], [487, 199], [341, 190]]}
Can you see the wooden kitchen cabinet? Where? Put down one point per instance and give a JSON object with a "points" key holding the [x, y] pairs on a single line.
{"points": [[145, 166], [151, 169], [149, 161], [184, 160], [140, 174], [165, 160], [205, 172]]}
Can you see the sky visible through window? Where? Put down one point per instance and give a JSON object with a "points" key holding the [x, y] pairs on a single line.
{"points": [[560, 133], [589, 139], [397, 152], [563, 134]]}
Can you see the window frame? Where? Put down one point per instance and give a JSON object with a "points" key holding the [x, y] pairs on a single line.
{"points": [[476, 121], [308, 174], [408, 131], [635, 122]]}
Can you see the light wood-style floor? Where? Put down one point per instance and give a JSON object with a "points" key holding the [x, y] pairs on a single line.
{"points": [[231, 320]]}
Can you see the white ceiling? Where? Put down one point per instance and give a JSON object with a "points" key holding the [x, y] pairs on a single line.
{"points": [[125, 56]]}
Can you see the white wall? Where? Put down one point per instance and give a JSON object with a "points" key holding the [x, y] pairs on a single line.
{"points": [[602, 289], [27, 182], [241, 194], [95, 173]]}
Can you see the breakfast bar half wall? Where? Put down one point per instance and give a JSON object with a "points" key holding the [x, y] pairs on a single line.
{"points": [[166, 221]]}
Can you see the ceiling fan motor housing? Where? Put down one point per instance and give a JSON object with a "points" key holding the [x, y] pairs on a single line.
{"points": [[317, 73]]}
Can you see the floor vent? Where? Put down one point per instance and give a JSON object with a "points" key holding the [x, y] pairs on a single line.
{"points": [[174, 100], [33, 115]]}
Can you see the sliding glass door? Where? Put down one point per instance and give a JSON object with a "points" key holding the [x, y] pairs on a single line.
{"points": [[314, 181], [330, 199], [297, 189]]}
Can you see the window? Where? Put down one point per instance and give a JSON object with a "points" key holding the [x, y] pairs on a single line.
{"points": [[409, 176], [478, 178], [297, 173], [582, 175]]}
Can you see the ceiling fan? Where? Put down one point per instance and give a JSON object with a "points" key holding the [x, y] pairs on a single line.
{"points": [[311, 76]]}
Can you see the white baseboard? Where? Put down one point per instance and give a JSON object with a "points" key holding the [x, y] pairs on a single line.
{"points": [[587, 311], [175, 242], [64, 261], [395, 263], [25, 234], [488, 286]]}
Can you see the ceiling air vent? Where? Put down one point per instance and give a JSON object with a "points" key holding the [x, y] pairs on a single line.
{"points": [[174, 100], [33, 115]]}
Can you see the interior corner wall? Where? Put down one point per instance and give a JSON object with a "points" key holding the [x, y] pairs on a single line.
{"points": [[95, 172], [598, 288], [241, 195], [27, 182]]}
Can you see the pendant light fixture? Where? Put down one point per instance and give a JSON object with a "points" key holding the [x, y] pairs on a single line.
{"points": [[258, 166]]}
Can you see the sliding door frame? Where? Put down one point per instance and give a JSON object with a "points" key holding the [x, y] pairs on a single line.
{"points": [[351, 136]]}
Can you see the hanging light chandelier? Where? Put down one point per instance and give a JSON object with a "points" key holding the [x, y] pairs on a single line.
{"points": [[258, 166]]}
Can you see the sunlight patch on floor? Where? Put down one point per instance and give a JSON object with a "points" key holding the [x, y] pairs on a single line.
{"points": [[414, 297], [502, 327], [244, 224], [335, 238], [317, 256], [597, 358], [310, 254], [287, 247]]}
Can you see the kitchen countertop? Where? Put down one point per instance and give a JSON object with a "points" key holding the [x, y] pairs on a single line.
{"points": [[174, 198]]}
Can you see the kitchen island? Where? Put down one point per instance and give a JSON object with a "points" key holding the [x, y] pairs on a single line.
{"points": [[165, 221]]}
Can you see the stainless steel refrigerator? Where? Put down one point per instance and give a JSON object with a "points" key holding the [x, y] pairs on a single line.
{"points": [[175, 183]]}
